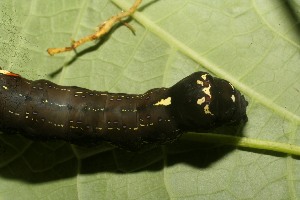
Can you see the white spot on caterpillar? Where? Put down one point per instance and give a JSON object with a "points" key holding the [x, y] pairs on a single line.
{"points": [[163, 102], [201, 101], [11, 112], [206, 90], [6, 88], [78, 92], [200, 82], [59, 125], [233, 98], [231, 86], [45, 101], [204, 76], [206, 110], [60, 105]]}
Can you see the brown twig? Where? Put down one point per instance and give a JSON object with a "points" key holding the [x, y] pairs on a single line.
{"points": [[102, 30]]}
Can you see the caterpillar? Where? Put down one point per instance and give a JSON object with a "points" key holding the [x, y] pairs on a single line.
{"points": [[44, 110]]}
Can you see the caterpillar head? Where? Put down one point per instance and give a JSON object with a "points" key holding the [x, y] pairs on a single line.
{"points": [[202, 102]]}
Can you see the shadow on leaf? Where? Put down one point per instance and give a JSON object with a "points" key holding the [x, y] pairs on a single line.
{"points": [[37, 162]]}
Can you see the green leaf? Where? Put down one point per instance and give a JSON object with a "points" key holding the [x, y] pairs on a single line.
{"points": [[254, 44]]}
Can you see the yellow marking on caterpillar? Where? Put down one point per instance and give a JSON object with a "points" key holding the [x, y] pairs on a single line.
{"points": [[231, 86], [204, 76], [8, 73], [206, 110], [233, 98], [163, 102], [200, 82], [206, 90], [6, 88], [201, 101], [4, 72]]}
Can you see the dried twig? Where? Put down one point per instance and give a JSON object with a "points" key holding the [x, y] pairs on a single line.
{"points": [[102, 30]]}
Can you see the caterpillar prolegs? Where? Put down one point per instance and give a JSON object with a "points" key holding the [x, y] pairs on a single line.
{"points": [[44, 110]]}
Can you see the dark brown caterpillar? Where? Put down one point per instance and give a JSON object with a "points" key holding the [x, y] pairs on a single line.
{"points": [[43, 110]]}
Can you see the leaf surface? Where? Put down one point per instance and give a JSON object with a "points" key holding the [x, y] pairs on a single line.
{"points": [[254, 44]]}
